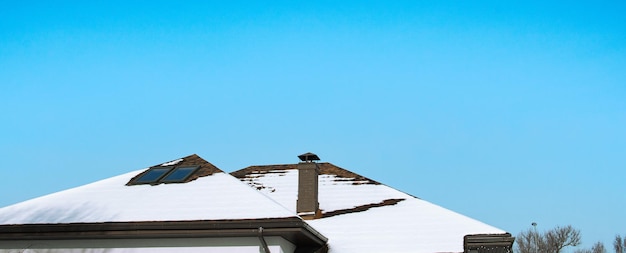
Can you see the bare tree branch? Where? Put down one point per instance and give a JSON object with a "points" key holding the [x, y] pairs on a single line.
{"points": [[598, 248], [552, 241], [618, 244], [561, 237]]}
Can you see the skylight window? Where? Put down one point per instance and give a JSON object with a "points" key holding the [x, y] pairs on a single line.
{"points": [[179, 174], [165, 174], [153, 175]]}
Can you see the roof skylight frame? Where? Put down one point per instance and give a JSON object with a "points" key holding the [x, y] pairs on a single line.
{"points": [[174, 170], [141, 180], [165, 175]]}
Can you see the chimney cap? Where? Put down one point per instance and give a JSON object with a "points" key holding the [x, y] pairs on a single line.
{"points": [[308, 157]]}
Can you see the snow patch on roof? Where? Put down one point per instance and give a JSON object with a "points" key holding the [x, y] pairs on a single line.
{"points": [[413, 225], [335, 193], [215, 197], [404, 224], [172, 162]]}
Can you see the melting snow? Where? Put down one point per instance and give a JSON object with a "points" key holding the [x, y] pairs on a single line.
{"points": [[411, 225], [335, 193]]}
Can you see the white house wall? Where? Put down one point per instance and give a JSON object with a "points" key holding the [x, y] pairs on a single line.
{"points": [[210, 245]]}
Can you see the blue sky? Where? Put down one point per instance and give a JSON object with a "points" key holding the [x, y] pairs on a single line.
{"points": [[509, 112]]}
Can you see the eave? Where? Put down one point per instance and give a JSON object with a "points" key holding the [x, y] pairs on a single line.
{"points": [[292, 229]]}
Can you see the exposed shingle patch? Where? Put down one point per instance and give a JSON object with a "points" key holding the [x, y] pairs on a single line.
{"points": [[387, 202], [325, 169]]}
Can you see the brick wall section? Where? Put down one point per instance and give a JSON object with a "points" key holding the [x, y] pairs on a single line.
{"points": [[307, 188]]}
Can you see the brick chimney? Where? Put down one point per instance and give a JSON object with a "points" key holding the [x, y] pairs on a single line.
{"points": [[307, 204]]}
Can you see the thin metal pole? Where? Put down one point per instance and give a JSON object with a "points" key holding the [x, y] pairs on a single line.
{"points": [[266, 249]]}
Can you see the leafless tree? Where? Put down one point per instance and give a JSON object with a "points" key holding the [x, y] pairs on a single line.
{"points": [[530, 241], [561, 237], [619, 245], [552, 241], [597, 248]]}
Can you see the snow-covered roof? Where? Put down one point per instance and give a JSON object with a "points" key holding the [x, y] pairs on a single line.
{"points": [[357, 214], [212, 196], [362, 215]]}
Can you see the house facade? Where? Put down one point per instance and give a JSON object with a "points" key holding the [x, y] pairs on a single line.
{"points": [[189, 205]]}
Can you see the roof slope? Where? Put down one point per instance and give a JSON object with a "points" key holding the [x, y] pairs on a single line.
{"points": [[362, 215], [213, 195]]}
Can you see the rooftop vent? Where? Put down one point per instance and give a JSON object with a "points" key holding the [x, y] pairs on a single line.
{"points": [[309, 157]]}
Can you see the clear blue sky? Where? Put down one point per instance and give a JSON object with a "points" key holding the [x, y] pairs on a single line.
{"points": [[509, 112]]}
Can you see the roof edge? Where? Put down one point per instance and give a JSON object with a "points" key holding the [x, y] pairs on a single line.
{"points": [[292, 229]]}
